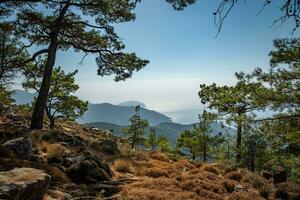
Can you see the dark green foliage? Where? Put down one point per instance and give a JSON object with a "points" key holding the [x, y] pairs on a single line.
{"points": [[198, 140], [180, 4], [12, 55], [233, 102], [60, 101], [5, 97], [189, 141], [136, 129], [152, 140], [163, 143], [272, 141], [63, 25]]}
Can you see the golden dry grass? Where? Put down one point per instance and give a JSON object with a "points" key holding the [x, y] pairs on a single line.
{"points": [[123, 166], [164, 179]]}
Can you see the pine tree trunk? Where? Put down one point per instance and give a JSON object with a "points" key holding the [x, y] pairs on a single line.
{"points": [[204, 148], [238, 141], [40, 105], [52, 123]]}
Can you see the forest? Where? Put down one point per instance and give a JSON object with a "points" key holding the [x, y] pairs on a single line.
{"points": [[46, 154]]}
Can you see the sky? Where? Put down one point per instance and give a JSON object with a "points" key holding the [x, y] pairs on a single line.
{"points": [[183, 53]]}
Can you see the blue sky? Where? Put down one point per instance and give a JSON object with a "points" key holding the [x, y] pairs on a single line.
{"points": [[183, 53]]}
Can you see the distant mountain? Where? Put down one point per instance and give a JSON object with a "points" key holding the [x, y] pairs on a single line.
{"points": [[119, 115], [105, 112], [170, 130], [132, 103], [22, 97]]}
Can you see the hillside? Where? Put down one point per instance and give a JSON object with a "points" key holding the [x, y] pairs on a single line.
{"points": [[120, 115], [171, 130], [75, 162]]}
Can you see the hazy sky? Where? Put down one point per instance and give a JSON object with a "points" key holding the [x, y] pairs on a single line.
{"points": [[183, 53]]}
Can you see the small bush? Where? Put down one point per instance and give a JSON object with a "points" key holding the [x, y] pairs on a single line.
{"points": [[234, 175], [229, 185], [265, 188], [210, 168], [156, 172], [123, 166], [140, 156], [159, 156], [55, 150]]}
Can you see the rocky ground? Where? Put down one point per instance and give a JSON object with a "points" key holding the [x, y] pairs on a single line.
{"points": [[75, 162]]}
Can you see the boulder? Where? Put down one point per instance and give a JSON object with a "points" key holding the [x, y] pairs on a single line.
{"points": [[21, 146], [23, 184], [89, 169], [109, 147]]}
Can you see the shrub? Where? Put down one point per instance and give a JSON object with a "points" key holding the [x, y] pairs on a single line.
{"points": [[55, 150], [123, 166], [210, 168], [265, 188], [159, 156], [229, 185], [234, 175], [156, 172]]}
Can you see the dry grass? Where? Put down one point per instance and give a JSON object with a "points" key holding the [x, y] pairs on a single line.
{"points": [[123, 166], [156, 172], [55, 150], [56, 174], [159, 156], [265, 188], [229, 185], [210, 168], [165, 179], [234, 175]]}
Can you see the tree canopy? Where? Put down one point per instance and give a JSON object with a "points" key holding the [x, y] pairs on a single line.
{"points": [[61, 101], [83, 26], [136, 130]]}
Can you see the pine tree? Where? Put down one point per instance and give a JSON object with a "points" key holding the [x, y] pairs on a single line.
{"points": [[152, 140], [233, 102], [61, 101], [136, 130], [62, 25]]}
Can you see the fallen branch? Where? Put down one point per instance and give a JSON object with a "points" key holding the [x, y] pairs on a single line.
{"points": [[113, 182]]}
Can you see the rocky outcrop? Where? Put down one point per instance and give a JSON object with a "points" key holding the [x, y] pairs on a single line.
{"points": [[89, 169], [23, 184], [21, 146], [109, 147]]}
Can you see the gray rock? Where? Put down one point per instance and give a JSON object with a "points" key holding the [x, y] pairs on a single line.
{"points": [[106, 146], [23, 184], [88, 169], [21, 146]]}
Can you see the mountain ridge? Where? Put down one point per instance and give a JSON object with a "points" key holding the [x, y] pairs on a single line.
{"points": [[103, 112], [169, 129]]}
